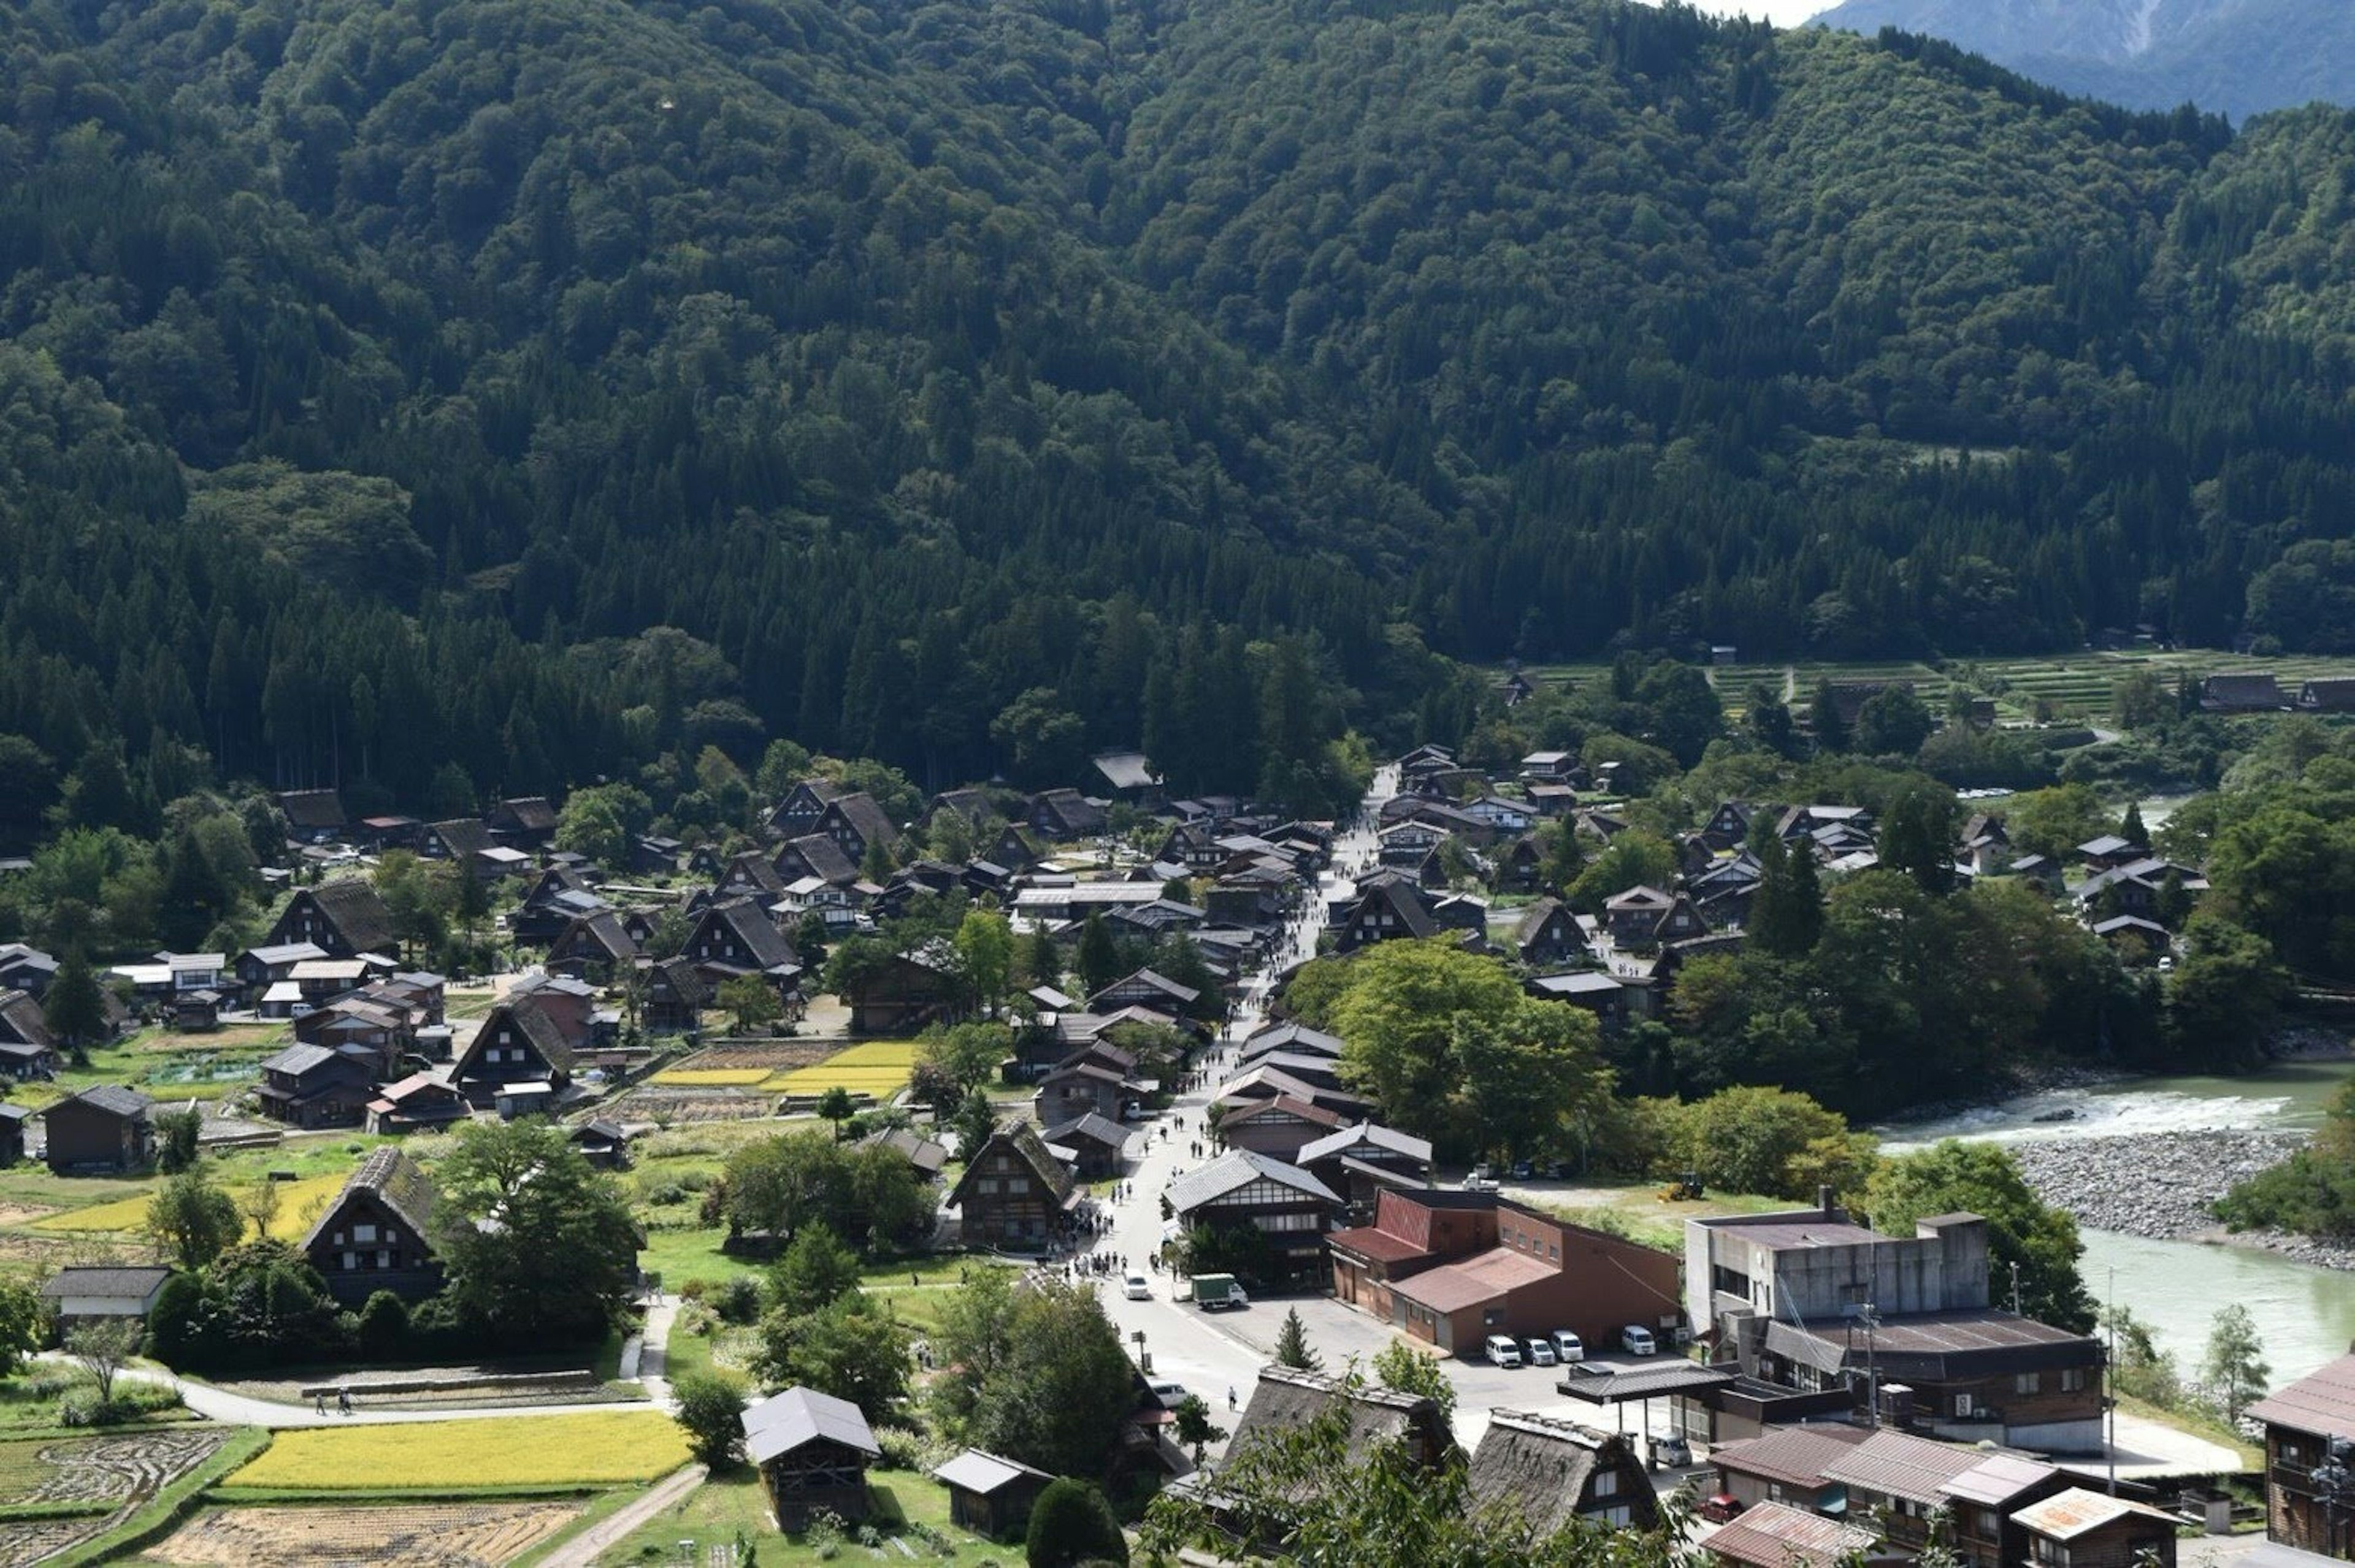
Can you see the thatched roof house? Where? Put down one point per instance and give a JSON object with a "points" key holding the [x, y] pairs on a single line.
{"points": [[1549, 1472]]}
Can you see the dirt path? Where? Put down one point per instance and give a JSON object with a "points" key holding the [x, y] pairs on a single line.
{"points": [[582, 1550]]}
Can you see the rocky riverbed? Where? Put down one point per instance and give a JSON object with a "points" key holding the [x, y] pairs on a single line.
{"points": [[2160, 1185]]}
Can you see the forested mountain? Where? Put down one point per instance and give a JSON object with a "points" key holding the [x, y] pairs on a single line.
{"points": [[966, 386], [2231, 57]]}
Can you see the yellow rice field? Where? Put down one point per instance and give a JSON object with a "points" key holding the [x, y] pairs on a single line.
{"points": [[878, 1067], [595, 1448], [299, 1202]]}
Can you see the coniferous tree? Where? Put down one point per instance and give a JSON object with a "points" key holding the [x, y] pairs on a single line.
{"points": [[74, 1007], [2130, 828], [1824, 717]]}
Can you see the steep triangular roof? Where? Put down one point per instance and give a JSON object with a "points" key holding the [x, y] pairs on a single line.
{"points": [[397, 1182]]}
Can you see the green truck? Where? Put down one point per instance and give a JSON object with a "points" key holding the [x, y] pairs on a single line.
{"points": [[1215, 1291]]}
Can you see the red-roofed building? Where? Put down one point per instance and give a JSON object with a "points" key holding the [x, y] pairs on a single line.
{"points": [[1452, 1268]]}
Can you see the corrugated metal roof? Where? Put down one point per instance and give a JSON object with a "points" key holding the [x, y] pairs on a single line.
{"points": [[2065, 1516], [975, 1471], [1901, 1466], [1483, 1277], [785, 1421], [2321, 1403], [1775, 1535], [1998, 1479], [1794, 1456]]}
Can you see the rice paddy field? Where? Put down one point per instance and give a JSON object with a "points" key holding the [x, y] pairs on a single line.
{"points": [[591, 1449], [299, 1204], [878, 1067], [2069, 685]]}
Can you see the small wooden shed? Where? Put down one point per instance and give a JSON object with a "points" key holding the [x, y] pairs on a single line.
{"points": [[990, 1495], [812, 1450]]}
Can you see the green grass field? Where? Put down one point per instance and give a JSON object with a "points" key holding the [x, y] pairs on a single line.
{"points": [[2072, 686], [733, 1503]]}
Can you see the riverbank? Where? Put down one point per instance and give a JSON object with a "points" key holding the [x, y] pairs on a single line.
{"points": [[2159, 1186]]}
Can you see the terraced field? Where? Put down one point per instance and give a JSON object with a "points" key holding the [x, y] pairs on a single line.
{"points": [[299, 1204], [594, 1448], [879, 1068], [124, 1470]]}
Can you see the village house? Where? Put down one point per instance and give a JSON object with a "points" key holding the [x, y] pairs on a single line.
{"points": [[342, 919], [1786, 1465], [675, 997], [2333, 694], [1096, 1081], [857, 826], [1129, 775], [28, 1051], [1242, 1190], [988, 1494], [904, 994], [2242, 694], [594, 947], [1285, 1399], [1548, 935], [1388, 911], [750, 875], [82, 1292], [1645, 917], [1014, 1192], [1280, 1127], [312, 815], [1983, 1504], [1614, 999], [26, 968], [1093, 1146], [1263, 1080], [812, 1450], [1452, 1268], [375, 1235], [528, 822], [2307, 1424], [14, 1120], [735, 939], [418, 1102], [1775, 1535], [101, 1130], [1783, 1295], [926, 1157], [1551, 1473], [1363, 1160], [521, 1061], [2085, 1529], [817, 855], [804, 808], [319, 1086], [602, 1142], [1063, 814]]}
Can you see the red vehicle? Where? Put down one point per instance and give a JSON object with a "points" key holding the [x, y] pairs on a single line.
{"points": [[1721, 1507]]}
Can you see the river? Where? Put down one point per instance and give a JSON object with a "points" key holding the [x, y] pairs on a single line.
{"points": [[2305, 1314]]}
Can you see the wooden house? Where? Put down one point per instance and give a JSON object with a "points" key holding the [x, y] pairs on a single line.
{"points": [[750, 875], [1244, 1190], [990, 1496], [603, 1143], [2085, 1529], [736, 938], [376, 1235], [1014, 1193], [519, 1044], [594, 947], [1097, 1143], [27, 1051], [814, 855], [13, 1122], [319, 1086], [1060, 813], [418, 1102], [343, 919], [1776, 1535], [559, 897], [2304, 1421], [82, 1292], [858, 826], [812, 1450], [312, 815], [802, 809], [1281, 1127], [1551, 1473], [1548, 935], [527, 822], [101, 1129], [675, 997], [905, 995]]}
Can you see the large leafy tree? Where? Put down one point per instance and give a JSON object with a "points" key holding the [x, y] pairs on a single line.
{"points": [[538, 1246], [1983, 1178], [1035, 1371]]}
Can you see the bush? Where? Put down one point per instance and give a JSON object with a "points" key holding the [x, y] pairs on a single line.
{"points": [[711, 1412], [382, 1333], [735, 1301], [1071, 1523]]}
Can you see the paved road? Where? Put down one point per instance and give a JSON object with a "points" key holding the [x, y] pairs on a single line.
{"points": [[582, 1550]]}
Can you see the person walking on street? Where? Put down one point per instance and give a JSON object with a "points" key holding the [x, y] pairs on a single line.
{"points": [[1230, 1396]]}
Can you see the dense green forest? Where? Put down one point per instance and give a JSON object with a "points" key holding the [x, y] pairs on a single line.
{"points": [[968, 386]]}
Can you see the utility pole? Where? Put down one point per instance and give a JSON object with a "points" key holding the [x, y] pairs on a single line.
{"points": [[2110, 1380], [2015, 1290]]}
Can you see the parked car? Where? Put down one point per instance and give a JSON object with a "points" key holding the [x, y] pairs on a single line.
{"points": [[1504, 1350], [1540, 1352], [1637, 1340], [1672, 1452], [1136, 1288], [1568, 1346], [1170, 1394], [1523, 1170], [1721, 1507]]}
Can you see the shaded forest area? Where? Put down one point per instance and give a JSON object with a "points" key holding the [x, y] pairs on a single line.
{"points": [[970, 386]]}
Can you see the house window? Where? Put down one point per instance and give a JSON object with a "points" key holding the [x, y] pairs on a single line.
{"points": [[1618, 1518], [1606, 1484], [351, 1259], [2072, 1380], [363, 1233], [2028, 1382], [383, 1258], [986, 1185], [2052, 1552]]}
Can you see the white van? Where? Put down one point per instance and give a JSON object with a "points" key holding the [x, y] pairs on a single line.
{"points": [[1637, 1340], [1504, 1350], [1568, 1346], [1540, 1351]]}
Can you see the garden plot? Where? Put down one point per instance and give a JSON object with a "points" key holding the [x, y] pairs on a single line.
{"points": [[125, 1470], [451, 1535]]}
